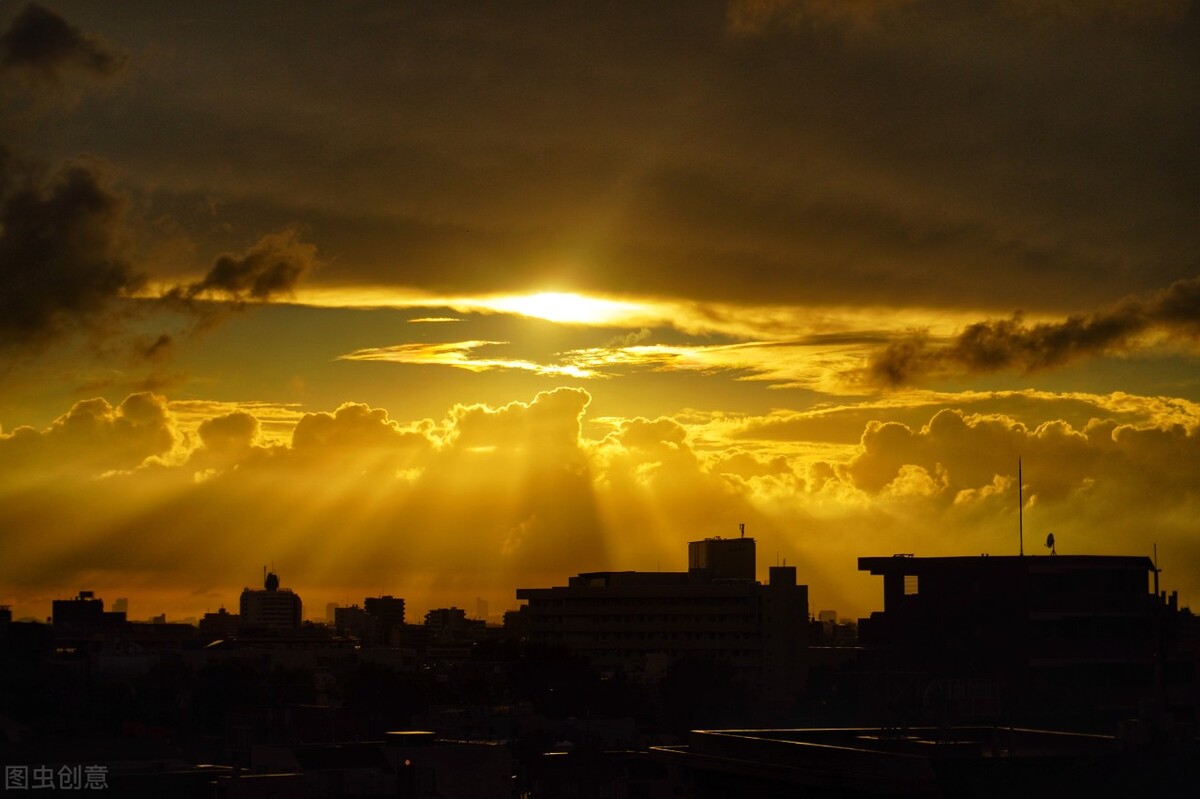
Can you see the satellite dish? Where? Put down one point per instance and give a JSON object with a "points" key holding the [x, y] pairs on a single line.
{"points": [[1050, 543]]}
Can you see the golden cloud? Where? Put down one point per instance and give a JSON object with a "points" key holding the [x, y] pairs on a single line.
{"points": [[492, 497]]}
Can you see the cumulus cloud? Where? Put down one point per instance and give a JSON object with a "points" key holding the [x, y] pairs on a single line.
{"points": [[44, 44], [1013, 344], [225, 440], [91, 439], [491, 497]]}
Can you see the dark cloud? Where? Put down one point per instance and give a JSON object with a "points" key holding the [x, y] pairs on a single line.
{"points": [[158, 349], [1012, 344], [269, 268], [840, 153], [64, 255], [40, 41]]}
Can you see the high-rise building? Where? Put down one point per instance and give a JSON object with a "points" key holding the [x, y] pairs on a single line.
{"points": [[388, 613], [270, 608]]}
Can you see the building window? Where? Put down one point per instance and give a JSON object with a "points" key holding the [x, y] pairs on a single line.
{"points": [[911, 586]]}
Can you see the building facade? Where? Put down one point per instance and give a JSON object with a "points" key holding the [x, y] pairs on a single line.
{"points": [[271, 608]]}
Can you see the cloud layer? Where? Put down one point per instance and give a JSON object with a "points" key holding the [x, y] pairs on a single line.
{"points": [[912, 153], [493, 497]]}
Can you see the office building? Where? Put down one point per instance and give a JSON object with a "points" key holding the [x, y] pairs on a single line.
{"points": [[272, 608], [640, 622]]}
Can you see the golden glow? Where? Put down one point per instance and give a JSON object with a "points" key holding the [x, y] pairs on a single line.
{"points": [[460, 354], [565, 307]]}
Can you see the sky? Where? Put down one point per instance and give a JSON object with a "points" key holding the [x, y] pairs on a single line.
{"points": [[444, 300]]}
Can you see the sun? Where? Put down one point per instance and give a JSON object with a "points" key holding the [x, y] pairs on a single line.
{"points": [[564, 307]]}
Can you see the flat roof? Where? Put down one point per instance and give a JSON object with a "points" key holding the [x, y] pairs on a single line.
{"points": [[908, 564]]}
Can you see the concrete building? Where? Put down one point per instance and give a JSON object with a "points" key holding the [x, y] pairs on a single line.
{"points": [[639, 622], [1079, 641], [271, 608]]}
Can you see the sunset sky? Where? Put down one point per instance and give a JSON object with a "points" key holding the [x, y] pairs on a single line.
{"points": [[443, 300]]}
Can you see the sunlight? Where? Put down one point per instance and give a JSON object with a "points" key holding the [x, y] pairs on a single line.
{"points": [[565, 307]]}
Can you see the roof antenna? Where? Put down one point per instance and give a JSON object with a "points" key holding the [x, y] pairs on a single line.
{"points": [[742, 529], [1020, 508], [1156, 570]]}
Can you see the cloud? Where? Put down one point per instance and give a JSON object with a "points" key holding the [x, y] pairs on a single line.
{"points": [[491, 497], [225, 440], [357, 433], [752, 17], [803, 166], [64, 255], [1012, 344], [44, 44], [461, 355], [755, 17], [67, 261], [91, 439], [268, 269]]}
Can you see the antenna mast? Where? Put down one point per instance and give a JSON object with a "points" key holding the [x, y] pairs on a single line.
{"points": [[1020, 509], [1156, 571]]}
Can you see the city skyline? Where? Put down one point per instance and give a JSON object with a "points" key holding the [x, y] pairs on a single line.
{"points": [[444, 303]]}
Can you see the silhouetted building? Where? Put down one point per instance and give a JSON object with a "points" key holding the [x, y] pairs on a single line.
{"points": [[271, 608], [219, 625], [388, 612], [356, 622], [1077, 641], [639, 622], [723, 558], [452, 624], [84, 613]]}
